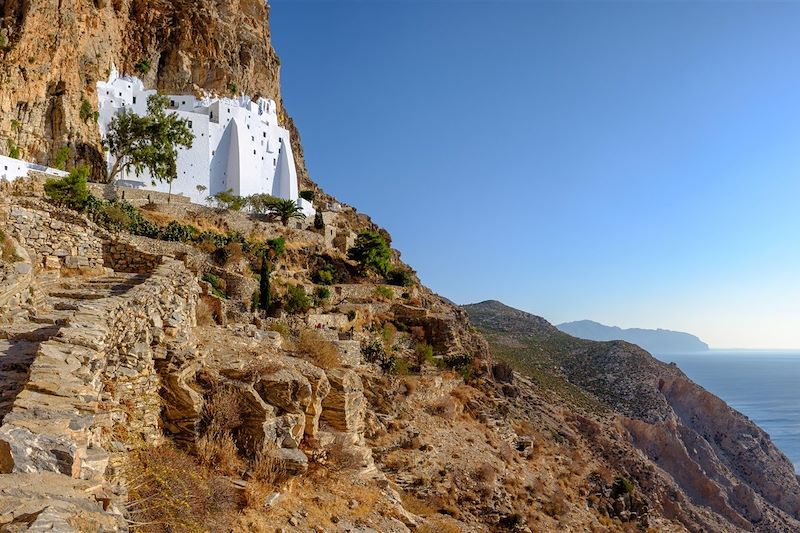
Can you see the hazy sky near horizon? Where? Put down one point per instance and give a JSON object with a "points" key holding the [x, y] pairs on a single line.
{"points": [[633, 163]]}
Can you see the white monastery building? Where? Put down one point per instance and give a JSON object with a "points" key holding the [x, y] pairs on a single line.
{"points": [[11, 169], [238, 144]]}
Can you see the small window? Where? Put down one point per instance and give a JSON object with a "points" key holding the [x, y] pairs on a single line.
{"points": [[229, 110], [252, 138], [254, 152], [212, 115], [6, 167], [172, 103], [190, 124], [134, 99], [265, 134], [213, 152], [183, 103]]}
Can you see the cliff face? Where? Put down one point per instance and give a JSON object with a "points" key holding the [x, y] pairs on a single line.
{"points": [[712, 454], [53, 52]]}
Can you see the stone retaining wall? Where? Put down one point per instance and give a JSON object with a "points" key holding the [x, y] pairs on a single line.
{"points": [[16, 284], [55, 240], [96, 374]]}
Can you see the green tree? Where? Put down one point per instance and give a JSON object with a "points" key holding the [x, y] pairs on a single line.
{"points": [[261, 203], [13, 150], [285, 210], [297, 300], [71, 191], [148, 142], [371, 252], [228, 200], [319, 222]]}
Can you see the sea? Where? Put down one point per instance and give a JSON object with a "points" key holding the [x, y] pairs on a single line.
{"points": [[764, 385]]}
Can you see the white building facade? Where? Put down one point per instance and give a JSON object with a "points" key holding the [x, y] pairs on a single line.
{"points": [[238, 144], [11, 169]]}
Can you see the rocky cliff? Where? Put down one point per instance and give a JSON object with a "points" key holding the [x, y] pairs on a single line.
{"points": [[53, 52], [713, 455]]}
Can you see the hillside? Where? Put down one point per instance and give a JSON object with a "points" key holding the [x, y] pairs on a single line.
{"points": [[712, 456], [660, 341]]}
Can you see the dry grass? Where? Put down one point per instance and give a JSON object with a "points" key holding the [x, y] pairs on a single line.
{"points": [[205, 314], [216, 449], [321, 352], [169, 492], [444, 407], [341, 456], [7, 252]]}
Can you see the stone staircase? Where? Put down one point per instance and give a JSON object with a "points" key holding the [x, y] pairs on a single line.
{"points": [[57, 300]]}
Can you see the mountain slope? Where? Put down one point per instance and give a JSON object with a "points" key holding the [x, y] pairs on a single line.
{"points": [[652, 340], [715, 456]]}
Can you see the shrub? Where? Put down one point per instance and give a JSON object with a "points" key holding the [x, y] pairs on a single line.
{"points": [[233, 88], [319, 221], [217, 285], [384, 293], [175, 231], [227, 200], [424, 353], [324, 276], [322, 352], [168, 491], [13, 150], [279, 327], [375, 352], [623, 486], [371, 252], [60, 161], [71, 191], [142, 66], [86, 112], [307, 195], [322, 293], [402, 277], [296, 300], [115, 216]]}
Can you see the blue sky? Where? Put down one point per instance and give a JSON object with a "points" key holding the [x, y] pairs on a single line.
{"points": [[632, 163]]}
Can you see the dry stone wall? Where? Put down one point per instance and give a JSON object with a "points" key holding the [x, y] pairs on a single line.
{"points": [[96, 374]]}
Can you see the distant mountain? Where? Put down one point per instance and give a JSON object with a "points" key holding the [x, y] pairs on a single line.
{"points": [[660, 341]]}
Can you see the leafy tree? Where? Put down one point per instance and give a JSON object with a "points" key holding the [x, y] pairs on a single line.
{"points": [[307, 195], [71, 191], [319, 222], [285, 210], [371, 252], [148, 142], [260, 204], [228, 200]]}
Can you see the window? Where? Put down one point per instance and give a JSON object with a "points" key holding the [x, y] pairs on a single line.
{"points": [[229, 110], [213, 152], [190, 124], [172, 103], [183, 103], [252, 138], [212, 115], [254, 152], [134, 99], [265, 134]]}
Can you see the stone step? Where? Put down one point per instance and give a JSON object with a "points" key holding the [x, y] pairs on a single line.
{"points": [[28, 331], [53, 318], [79, 294]]}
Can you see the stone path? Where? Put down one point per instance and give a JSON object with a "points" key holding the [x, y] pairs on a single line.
{"points": [[20, 340]]}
